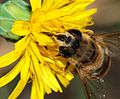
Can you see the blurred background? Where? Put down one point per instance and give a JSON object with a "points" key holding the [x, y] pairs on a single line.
{"points": [[107, 20]]}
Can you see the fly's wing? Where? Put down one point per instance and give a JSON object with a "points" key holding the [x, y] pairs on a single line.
{"points": [[111, 41], [92, 89]]}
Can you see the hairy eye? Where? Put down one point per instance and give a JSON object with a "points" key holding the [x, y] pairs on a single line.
{"points": [[76, 33]]}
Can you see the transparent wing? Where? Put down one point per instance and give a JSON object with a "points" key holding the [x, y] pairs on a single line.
{"points": [[93, 89], [111, 41]]}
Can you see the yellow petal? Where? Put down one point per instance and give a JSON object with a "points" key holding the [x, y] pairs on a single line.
{"points": [[25, 67], [12, 74], [22, 44], [55, 68], [69, 76], [35, 66], [45, 79], [43, 39], [42, 74], [21, 28], [79, 15], [60, 3], [50, 76], [9, 58], [35, 4], [36, 51], [64, 79], [60, 63], [47, 4], [48, 60], [39, 89], [47, 89], [19, 88], [38, 86], [34, 94], [12, 56]]}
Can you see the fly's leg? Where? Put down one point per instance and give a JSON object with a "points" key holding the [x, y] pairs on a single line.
{"points": [[67, 66]]}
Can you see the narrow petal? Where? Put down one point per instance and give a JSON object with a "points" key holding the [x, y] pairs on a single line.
{"points": [[79, 15], [37, 85], [55, 68], [35, 69], [60, 3], [12, 56], [45, 79], [39, 88], [9, 58], [42, 74], [48, 74], [19, 88], [47, 4], [21, 28], [64, 79], [36, 51], [12, 74], [22, 44], [35, 4], [34, 94], [47, 89], [43, 39], [25, 67]]}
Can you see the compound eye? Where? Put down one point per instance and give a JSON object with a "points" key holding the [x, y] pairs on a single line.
{"points": [[76, 33], [61, 37]]}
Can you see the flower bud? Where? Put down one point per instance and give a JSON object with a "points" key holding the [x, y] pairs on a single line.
{"points": [[9, 12]]}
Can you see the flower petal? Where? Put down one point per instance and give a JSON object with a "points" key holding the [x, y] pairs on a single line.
{"points": [[9, 58], [43, 39], [52, 79], [64, 79], [22, 44], [19, 88], [12, 74], [36, 51], [34, 94], [12, 56], [39, 89], [35, 4], [25, 67], [37, 86], [47, 4], [21, 28]]}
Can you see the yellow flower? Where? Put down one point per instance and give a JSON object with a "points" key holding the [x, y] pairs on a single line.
{"points": [[37, 51]]}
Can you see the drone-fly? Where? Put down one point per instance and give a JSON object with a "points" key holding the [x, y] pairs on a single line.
{"points": [[90, 55]]}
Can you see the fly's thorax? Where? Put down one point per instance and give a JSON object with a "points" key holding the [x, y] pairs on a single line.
{"points": [[86, 53]]}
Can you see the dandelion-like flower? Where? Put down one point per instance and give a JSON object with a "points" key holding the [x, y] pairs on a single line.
{"points": [[37, 52]]}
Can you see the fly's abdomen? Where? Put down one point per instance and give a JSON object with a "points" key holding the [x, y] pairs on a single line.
{"points": [[104, 67]]}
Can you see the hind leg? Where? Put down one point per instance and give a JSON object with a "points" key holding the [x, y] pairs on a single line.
{"points": [[67, 66]]}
